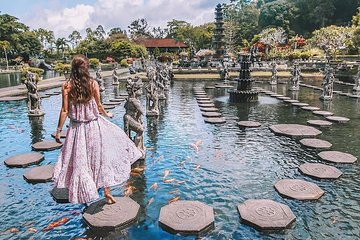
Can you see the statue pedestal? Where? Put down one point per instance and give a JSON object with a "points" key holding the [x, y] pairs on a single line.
{"points": [[293, 88], [326, 98], [36, 113], [152, 113]]}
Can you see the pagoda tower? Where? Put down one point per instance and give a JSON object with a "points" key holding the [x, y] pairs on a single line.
{"points": [[218, 40]]}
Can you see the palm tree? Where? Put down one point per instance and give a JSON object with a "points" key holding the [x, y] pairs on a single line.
{"points": [[61, 43], [74, 38], [5, 45]]}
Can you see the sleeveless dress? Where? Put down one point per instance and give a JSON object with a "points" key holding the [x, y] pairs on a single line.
{"points": [[96, 153]]}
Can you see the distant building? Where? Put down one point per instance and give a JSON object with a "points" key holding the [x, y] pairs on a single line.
{"points": [[163, 44]]}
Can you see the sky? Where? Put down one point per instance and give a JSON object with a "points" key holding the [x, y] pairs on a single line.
{"points": [[65, 16]]}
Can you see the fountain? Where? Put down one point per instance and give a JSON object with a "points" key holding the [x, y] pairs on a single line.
{"points": [[295, 79], [33, 96], [244, 91]]}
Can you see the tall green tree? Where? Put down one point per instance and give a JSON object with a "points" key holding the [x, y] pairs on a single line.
{"points": [[74, 38], [139, 28], [5, 46]]}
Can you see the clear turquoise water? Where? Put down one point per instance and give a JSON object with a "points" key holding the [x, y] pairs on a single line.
{"points": [[235, 165], [14, 79]]}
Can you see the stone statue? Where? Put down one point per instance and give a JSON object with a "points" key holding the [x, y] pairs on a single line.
{"points": [[99, 80], [224, 73], [134, 113], [152, 98], [274, 71], [33, 96], [160, 78], [356, 89], [328, 83], [115, 77], [295, 79]]}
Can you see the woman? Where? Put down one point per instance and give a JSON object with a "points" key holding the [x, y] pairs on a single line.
{"points": [[96, 153]]}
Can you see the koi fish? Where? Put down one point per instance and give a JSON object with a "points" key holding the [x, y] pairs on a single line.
{"points": [[32, 230], [196, 148], [166, 173], [154, 186], [180, 182], [182, 162], [169, 180], [174, 199], [13, 230], [175, 191], [198, 142], [56, 224], [129, 190], [151, 200], [160, 158], [197, 167]]}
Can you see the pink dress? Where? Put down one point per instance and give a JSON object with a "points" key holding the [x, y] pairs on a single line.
{"points": [[96, 153]]}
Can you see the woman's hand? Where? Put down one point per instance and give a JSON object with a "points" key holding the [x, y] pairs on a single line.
{"points": [[57, 136]]}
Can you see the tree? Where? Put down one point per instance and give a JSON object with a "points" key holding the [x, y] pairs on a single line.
{"points": [[61, 44], [158, 32], [74, 38], [116, 30], [272, 37], [356, 27], [139, 29], [5, 45], [99, 32]]}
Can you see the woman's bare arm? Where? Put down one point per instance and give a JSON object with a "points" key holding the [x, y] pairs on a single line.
{"points": [[63, 111]]}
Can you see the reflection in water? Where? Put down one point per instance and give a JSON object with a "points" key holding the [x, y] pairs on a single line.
{"points": [[294, 95], [36, 124], [327, 105]]}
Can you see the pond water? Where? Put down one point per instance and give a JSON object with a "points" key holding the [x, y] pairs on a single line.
{"points": [[235, 165], [14, 79]]}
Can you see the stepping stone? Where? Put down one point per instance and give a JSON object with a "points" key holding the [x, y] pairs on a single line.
{"points": [[44, 96], [270, 93], [39, 174], [266, 214], [108, 107], [323, 113], [187, 217], [204, 102], [62, 134], [215, 120], [224, 86], [111, 216], [298, 189], [60, 195], [248, 124], [209, 109], [111, 103], [320, 171], [337, 157], [310, 108], [276, 95], [344, 94], [123, 95], [295, 130], [283, 98], [354, 96], [46, 146], [24, 160], [315, 143], [300, 104], [207, 105], [291, 101], [203, 99], [210, 87], [15, 98], [52, 93], [319, 123], [338, 119], [210, 114], [117, 100]]}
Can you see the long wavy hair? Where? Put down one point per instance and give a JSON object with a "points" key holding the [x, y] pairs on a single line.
{"points": [[80, 79]]}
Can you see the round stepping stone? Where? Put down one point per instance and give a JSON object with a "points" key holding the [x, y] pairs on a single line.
{"points": [[203, 99], [123, 95], [224, 86], [39, 174], [323, 113], [46, 146], [337, 157], [320, 171], [300, 104], [111, 216], [186, 217], [204, 102], [109, 107], [62, 134], [117, 100], [315, 143], [295, 130], [209, 109], [207, 105], [210, 87], [24, 160], [248, 124], [60, 195], [215, 120], [310, 108], [266, 214], [15, 98], [276, 95], [319, 123], [338, 119], [354, 96], [111, 103], [291, 101], [211, 114], [298, 189], [283, 98]]}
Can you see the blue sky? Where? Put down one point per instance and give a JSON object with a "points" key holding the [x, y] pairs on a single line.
{"points": [[64, 16]]}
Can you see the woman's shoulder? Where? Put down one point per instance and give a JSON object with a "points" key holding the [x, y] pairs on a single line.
{"points": [[66, 86]]}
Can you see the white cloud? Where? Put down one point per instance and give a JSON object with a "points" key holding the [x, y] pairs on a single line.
{"points": [[120, 13]]}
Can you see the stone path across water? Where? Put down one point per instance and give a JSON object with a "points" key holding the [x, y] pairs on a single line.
{"points": [[46, 146], [338, 119], [295, 130], [187, 217], [315, 143], [298, 189], [62, 134], [310, 108], [39, 174], [320, 171], [215, 120], [24, 160], [319, 123], [266, 214], [60, 195], [323, 113], [337, 157], [248, 124], [211, 114]]}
